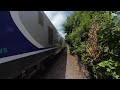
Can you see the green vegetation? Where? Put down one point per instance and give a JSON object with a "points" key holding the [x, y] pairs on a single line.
{"points": [[95, 37]]}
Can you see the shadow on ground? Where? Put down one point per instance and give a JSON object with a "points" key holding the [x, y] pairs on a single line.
{"points": [[56, 69]]}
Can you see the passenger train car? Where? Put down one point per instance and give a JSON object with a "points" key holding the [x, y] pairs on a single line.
{"points": [[26, 39]]}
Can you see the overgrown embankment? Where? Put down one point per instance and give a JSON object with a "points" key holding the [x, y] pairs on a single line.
{"points": [[95, 37]]}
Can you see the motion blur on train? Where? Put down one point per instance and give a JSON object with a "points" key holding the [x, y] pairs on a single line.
{"points": [[27, 38]]}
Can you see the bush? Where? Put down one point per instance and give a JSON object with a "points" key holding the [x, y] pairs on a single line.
{"points": [[77, 27]]}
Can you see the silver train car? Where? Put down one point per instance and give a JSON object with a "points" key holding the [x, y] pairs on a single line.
{"points": [[26, 39]]}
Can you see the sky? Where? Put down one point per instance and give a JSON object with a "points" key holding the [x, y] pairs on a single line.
{"points": [[58, 18], [116, 15]]}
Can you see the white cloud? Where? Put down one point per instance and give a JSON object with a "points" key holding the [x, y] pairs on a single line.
{"points": [[57, 18], [113, 14]]}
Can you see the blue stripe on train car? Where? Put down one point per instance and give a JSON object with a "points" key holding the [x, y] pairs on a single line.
{"points": [[11, 38]]}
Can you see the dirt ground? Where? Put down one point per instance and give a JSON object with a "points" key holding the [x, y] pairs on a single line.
{"points": [[65, 67]]}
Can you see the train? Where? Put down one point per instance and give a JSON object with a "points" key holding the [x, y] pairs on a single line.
{"points": [[27, 38]]}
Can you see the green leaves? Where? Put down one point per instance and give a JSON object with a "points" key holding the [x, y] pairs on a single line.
{"points": [[110, 66], [115, 76], [109, 63], [77, 27]]}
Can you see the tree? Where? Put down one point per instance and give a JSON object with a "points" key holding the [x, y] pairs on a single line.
{"points": [[78, 27]]}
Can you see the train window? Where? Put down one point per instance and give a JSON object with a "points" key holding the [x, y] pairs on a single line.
{"points": [[40, 16], [50, 35]]}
